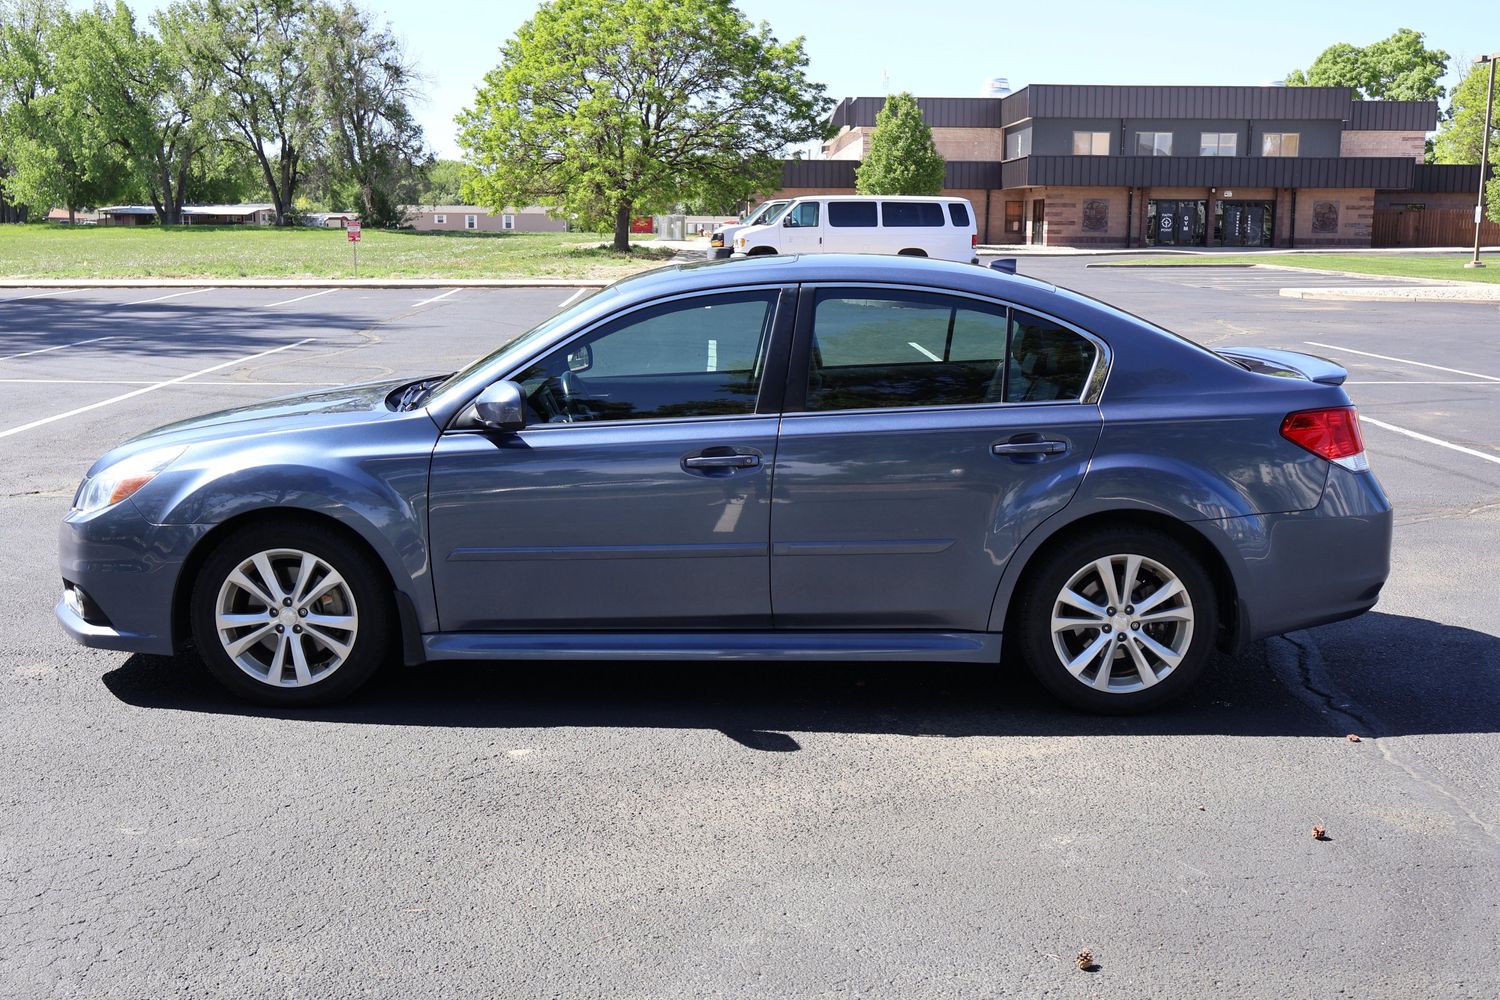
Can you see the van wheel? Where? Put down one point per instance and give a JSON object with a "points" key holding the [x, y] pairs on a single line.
{"points": [[912, 252], [761, 252], [1118, 621]]}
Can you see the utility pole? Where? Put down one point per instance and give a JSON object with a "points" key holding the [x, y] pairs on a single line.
{"points": [[1484, 157]]}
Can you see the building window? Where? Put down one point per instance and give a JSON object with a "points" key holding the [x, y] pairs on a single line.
{"points": [[439, 220], [1153, 144], [471, 222], [1280, 143], [1217, 144], [1017, 143], [1090, 143], [507, 222]]}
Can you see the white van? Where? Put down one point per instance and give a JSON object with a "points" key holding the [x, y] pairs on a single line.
{"points": [[896, 224], [721, 242]]}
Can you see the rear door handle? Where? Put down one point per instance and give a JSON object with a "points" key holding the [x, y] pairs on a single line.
{"points": [[1030, 448], [721, 462]]}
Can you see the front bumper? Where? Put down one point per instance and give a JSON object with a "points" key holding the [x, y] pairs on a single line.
{"points": [[128, 569], [1311, 567]]}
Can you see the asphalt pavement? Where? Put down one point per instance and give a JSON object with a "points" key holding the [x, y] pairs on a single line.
{"points": [[736, 829]]}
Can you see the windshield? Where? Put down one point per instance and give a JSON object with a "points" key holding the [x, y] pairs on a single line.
{"points": [[767, 213], [535, 333]]}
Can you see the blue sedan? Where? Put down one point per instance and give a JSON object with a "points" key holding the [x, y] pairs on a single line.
{"points": [[820, 458]]}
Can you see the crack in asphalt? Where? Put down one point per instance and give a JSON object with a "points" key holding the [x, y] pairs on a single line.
{"points": [[1308, 678]]}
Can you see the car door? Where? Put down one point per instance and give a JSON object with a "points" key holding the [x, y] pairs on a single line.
{"points": [[925, 436], [638, 494], [802, 228]]}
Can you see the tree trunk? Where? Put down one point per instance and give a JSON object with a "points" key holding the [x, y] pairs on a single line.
{"points": [[622, 228], [72, 216]]}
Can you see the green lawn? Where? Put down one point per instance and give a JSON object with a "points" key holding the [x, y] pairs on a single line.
{"points": [[1445, 266], [58, 251]]}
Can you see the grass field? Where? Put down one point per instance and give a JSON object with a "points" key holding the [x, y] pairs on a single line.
{"points": [[1448, 267], [55, 251]]}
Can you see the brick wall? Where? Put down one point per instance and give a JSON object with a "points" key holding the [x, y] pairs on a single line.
{"points": [[850, 144], [1355, 215], [1070, 209], [1408, 144]]}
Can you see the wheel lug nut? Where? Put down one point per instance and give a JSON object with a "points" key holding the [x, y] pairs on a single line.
{"points": [[302, 612], [286, 602], [1109, 611], [1129, 610], [1108, 629], [297, 629], [280, 629], [1122, 636], [1135, 626]]}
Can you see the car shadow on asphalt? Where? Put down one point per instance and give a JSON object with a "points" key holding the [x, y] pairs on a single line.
{"points": [[1381, 675]]}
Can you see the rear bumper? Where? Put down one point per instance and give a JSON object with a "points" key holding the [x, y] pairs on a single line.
{"points": [[128, 569], [1316, 566]]}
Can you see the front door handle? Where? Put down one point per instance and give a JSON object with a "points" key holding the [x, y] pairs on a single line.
{"points": [[1015, 448], [721, 462]]}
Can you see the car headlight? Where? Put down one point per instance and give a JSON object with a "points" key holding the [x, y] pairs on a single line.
{"points": [[123, 479]]}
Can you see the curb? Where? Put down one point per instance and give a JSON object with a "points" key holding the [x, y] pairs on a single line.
{"points": [[304, 283], [1394, 294]]}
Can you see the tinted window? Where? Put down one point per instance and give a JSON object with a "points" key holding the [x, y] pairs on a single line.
{"points": [[876, 349], [805, 214], [1047, 362], [698, 357], [852, 213], [959, 214], [911, 213]]}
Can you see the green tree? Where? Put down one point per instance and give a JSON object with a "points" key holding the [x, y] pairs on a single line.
{"points": [[1460, 136], [443, 183], [366, 84], [1398, 68], [259, 60], [606, 108], [902, 158]]}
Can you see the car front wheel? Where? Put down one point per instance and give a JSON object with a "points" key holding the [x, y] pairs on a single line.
{"points": [[1119, 621], [290, 614]]}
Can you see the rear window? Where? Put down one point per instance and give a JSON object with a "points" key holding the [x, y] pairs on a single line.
{"points": [[908, 214], [852, 214], [959, 214]]}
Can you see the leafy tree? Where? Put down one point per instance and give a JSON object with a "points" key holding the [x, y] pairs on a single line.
{"points": [[1398, 68], [258, 57], [443, 183], [902, 158], [366, 84], [1460, 136], [607, 108]]}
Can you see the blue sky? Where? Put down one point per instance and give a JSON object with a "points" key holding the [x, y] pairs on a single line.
{"points": [[944, 48]]}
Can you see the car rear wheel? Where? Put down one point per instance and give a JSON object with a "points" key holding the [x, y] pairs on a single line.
{"points": [[1119, 621], [291, 614]]}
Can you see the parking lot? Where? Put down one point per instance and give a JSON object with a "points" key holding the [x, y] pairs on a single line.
{"points": [[741, 829]]}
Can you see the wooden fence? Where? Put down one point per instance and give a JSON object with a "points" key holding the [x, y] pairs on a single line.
{"points": [[1442, 227]]}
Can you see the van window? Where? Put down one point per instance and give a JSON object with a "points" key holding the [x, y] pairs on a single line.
{"points": [[959, 213], [852, 214], [908, 214], [805, 214]]}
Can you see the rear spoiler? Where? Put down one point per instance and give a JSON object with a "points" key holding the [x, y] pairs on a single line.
{"points": [[1287, 364]]}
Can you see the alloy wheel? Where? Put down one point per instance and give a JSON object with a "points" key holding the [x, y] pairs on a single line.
{"points": [[286, 618], [1122, 623]]}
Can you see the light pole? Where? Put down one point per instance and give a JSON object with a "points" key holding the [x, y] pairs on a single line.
{"points": [[1484, 157]]}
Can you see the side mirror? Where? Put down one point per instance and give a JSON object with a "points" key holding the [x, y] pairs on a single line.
{"points": [[790, 221], [582, 359], [502, 407]]}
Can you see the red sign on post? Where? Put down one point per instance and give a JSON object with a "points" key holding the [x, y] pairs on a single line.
{"points": [[353, 230]]}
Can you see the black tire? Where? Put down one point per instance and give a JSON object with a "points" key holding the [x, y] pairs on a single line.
{"points": [[1035, 639], [366, 583]]}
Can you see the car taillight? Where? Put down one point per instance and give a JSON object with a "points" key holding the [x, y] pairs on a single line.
{"points": [[973, 240], [1332, 433]]}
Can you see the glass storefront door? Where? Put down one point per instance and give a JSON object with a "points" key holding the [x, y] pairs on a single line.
{"points": [[1244, 223], [1175, 222]]}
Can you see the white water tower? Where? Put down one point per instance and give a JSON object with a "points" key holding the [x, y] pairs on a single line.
{"points": [[996, 86]]}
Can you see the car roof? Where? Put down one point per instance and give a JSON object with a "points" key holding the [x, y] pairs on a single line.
{"points": [[877, 197]]}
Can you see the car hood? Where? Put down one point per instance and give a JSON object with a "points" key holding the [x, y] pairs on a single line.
{"points": [[362, 402]]}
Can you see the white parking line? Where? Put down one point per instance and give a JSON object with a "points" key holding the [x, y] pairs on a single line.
{"points": [[149, 388], [59, 347], [572, 297], [437, 298], [141, 381], [163, 298], [1487, 456], [1404, 361], [37, 295], [923, 350], [1420, 382], [287, 302]]}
